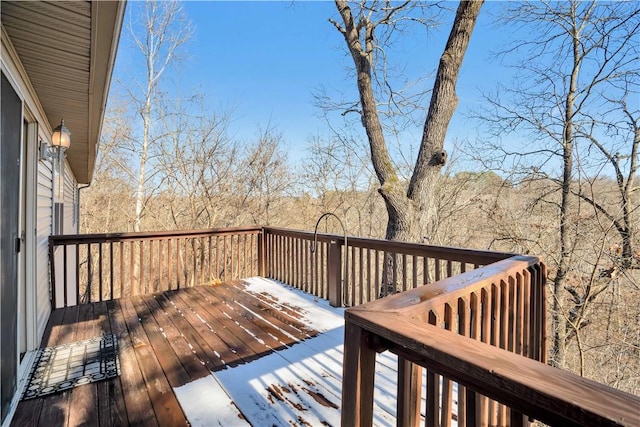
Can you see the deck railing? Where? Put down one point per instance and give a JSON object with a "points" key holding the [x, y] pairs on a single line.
{"points": [[501, 304], [477, 331], [480, 333], [365, 269], [98, 267]]}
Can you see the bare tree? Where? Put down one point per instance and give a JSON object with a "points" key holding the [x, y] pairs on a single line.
{"points": [[196, 169], [578, 71], [102, 205], [341, 179], [619, 149], [366, 31], [162, 31], [263, 179]]}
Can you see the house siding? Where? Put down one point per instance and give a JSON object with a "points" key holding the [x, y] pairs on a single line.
{"points": [[70, 226], [43, 230], [70, 200]]}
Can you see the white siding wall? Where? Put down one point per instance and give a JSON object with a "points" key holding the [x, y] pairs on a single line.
{"points": [[70, 226], [70, 200], [43, 225]]}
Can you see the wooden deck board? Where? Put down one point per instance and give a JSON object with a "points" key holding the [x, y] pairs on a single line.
{"points": [[226, 329], [194, 332], [56, 410], [251, 339], [165, 340], [163, 351], [208, 333], [83, 401], [111, 408], [250, 307], [136, 398], [193, 367], [165, 405]]}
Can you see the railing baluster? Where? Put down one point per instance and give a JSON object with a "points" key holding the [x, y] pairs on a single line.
{"points": [[485, 336], [244, 261], [494, 340], [369, 287], [512, 313], [100, 260], [361, 285], [450, 313], [432, 409], [143, 283], [503, 315], [64, 274], [378, 283], [350, 280], [179, 263], [520, 319], [426, 270], [231, 257], [132, 277], [404, 272], [307, 267], [111, 270], [89, 273], [414, 272], [152, 287], [77, 245], [394, 272], [464, 329]]}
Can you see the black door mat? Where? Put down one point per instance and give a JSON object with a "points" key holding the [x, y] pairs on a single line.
{"points": [[66, 366]]}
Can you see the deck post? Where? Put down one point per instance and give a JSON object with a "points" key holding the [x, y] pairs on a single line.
{"points": [[357, 377], [409, 393], [334, 274]]}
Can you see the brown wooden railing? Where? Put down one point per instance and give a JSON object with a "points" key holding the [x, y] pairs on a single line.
{"points": [[364, 270], [97, 267], [438, 327], [480, 323], [475, 335]]}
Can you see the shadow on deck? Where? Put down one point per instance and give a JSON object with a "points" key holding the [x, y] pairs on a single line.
{"points": [[170, 343]]}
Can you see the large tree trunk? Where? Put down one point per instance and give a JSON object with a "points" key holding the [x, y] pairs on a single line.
{"points": [[409, 208], [444, 101]]}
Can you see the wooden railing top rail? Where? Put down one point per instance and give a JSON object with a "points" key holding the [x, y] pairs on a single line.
{"points": [[418, 301], [551, 395], [472, 256], [148, 235]]}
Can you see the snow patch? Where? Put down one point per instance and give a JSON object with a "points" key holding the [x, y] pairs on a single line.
{"points": [[205, 403], [315, 313]]}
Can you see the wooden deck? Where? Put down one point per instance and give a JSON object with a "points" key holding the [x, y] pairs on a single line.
{"points": [[166, 340]]}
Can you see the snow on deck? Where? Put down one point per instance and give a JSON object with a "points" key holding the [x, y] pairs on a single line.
{"points": [[297, 385]]}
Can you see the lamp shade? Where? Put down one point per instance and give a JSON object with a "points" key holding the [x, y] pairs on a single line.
{"points": [[61, 137]]}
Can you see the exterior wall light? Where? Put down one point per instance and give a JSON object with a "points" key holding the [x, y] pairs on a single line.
{"points": [[60, 141], [61, 138]]}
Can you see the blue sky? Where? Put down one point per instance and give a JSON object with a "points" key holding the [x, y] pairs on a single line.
{"points": [[267, 58]]}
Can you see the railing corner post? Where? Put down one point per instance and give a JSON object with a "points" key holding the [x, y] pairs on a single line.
{"points": [[359, 361], [334, 274], [409, 393]]}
